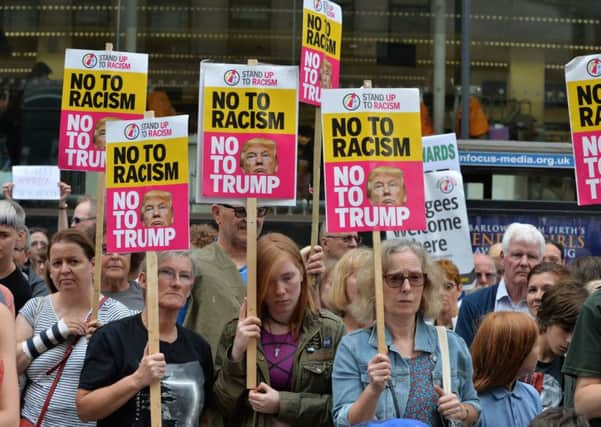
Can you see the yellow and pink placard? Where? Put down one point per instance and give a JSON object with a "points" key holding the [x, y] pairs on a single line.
{"points": [[147, 184], [99, 86], [247, 132], [583, 81], [320, 51], [373, 160]]}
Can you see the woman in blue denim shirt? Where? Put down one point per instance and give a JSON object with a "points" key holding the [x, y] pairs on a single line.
{"points": [[407, 382]]}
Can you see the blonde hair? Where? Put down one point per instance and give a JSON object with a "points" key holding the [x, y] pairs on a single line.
{"points": [[363, 308], [346, 266]]}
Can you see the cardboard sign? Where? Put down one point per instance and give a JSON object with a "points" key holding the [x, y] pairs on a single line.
{"points": [[373, 160], [98, 87], [320, 51], [247, 134], [447, 233], [441, 152], [36, 182], [146, 177], [583, 81]]}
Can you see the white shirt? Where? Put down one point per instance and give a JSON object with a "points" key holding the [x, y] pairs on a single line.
{"points": [[503, 301]]}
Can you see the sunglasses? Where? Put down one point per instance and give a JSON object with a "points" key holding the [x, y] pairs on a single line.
{"points": [[240, 212], [77, 220], [397, 280]]}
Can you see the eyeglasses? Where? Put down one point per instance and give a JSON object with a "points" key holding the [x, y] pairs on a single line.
{"points": [[19, 249], [185, 278], [76, 220], [397, 280], [347, 239], [487, 275], [240, 212]]}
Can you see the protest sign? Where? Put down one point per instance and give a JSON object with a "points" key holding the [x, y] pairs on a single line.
{"points": [[447, 232], [440, 152], [583, 81], [146, 175], [99, 87], [320, 51], [36, 182], [373, 160], [247, 132]]}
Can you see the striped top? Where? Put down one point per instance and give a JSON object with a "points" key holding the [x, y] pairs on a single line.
{"points": [[39, 313]]}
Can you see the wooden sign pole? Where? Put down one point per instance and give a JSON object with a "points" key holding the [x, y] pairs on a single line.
{"points": [[251, 283], [152, 311], [100, 190], [316, 184]]}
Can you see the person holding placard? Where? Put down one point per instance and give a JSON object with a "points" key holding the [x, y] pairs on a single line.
{"points": [[386, 186], [259, 155], [295, 344], [117, 373], [50, 330], [406, 382]]}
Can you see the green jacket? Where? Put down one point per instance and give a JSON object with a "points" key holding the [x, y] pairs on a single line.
{"points": [[309, 403], [217, 294]]}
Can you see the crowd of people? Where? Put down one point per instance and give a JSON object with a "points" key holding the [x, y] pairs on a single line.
{"points": [[517, 346]]}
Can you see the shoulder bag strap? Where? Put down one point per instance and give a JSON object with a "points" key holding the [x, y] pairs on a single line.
{"points": [[59, 368], [444, 354]]}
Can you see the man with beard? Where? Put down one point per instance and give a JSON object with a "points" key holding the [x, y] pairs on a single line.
{"points": [[523, 248]]}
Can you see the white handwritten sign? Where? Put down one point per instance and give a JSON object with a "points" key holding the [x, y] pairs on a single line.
{"points": [[36, 182]]}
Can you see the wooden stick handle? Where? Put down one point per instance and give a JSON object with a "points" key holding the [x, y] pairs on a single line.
{"points": [[316, 184], [251, 288], [98, 246], [380, 328], [152, 310]]}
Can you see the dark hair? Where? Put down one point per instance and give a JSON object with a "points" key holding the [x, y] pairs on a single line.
{"points": [[38, 230], [585, 269], [559, 417], [557, 244], [549, 267], [73, 235], [561, 305]]}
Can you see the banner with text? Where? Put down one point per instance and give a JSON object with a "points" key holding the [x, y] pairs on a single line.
{"points": [[247, 132], [373, 160], [583, 81], [146, 174], [320, 50], [98, 87], [580, 234], [447, 233]]}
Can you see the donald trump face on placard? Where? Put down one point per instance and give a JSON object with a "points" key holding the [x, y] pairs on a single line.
{"points": [[386, 186], [259, 155], [157, 209]]}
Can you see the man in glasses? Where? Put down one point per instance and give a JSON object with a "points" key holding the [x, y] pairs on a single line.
{"points": [[486, 271], [337, 244]]}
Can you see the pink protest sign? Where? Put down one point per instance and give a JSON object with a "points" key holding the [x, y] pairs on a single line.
{"points": [[147, 185], [247, 135], [583, 81], [373, 160], [98, 87], [320, 51]]}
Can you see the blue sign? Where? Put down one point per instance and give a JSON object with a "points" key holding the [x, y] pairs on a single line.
{"points": [[515, 160], [580, 235]]}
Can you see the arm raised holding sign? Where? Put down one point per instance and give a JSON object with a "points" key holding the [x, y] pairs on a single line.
{"points": [[287, 325]]}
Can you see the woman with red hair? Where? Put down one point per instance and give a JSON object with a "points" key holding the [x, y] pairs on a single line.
{"points": [[295, 347], [503, 350]]}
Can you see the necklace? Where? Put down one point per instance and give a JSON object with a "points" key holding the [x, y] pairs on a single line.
{"points": [[276, 338]]}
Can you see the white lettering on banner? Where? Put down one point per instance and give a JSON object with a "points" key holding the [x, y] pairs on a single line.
{"points": [[84, 158], [144, 237], [241, 184], [371, 216]]}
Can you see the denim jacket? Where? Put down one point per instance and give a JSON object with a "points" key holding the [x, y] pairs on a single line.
{"points": [[350, 377]]}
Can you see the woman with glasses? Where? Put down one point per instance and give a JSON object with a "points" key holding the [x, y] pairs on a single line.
{"points": [[406, 382], [295, 347], [115, 379], [451, 290]]}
